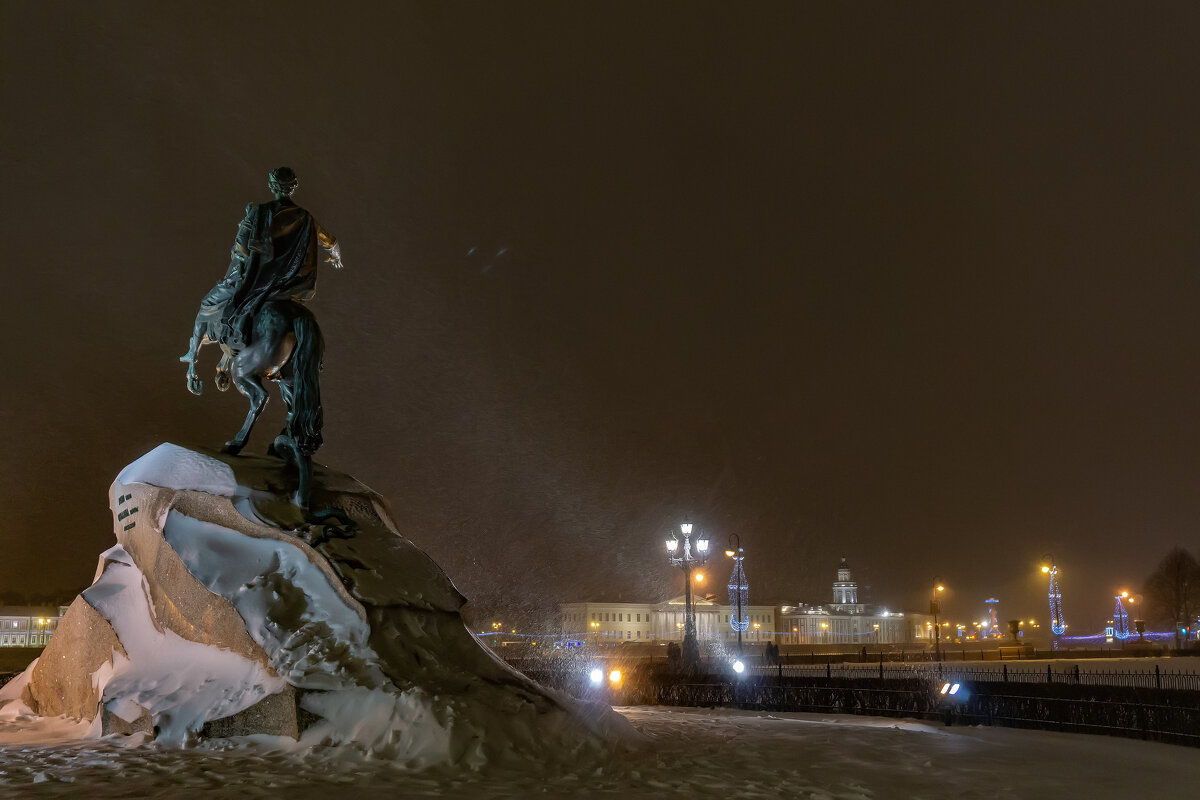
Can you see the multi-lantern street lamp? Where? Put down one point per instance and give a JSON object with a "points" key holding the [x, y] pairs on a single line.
{"points": [[688, 558]]}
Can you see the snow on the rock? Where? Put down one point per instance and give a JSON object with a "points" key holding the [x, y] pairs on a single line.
{"points": [[314, 637], [173, 467], [183, 684]]}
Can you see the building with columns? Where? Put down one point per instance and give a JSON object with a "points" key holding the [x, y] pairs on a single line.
{"points": [[615, 623], [28, 626], [845, 621]]}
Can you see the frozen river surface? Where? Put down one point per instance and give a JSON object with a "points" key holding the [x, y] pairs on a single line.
{"points": [[685, 753]]}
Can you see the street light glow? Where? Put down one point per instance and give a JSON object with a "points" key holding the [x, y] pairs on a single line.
{"points": [[596, 676], [685, 528], [739, 667], [699, 576], [672, 543], [615, 676]]}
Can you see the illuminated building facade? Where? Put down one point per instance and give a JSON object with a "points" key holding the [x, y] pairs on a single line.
{"points": [[845, 621], [28, 626]]}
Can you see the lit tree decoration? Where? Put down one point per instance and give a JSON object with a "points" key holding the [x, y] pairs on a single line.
{"points": [[1121, 618], [739, 595], [1058, 625]]}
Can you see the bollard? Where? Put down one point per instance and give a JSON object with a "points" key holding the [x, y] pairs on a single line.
{"points": [[1076, 673]]}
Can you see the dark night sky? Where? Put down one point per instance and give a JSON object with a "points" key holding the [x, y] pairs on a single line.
{"points": [[911, 286]]}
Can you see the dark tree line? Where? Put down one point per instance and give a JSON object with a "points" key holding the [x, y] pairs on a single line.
{"points": [[55, 597], [1172, 593]]}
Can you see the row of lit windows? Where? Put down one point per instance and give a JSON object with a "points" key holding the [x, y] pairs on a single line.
{"points": [[23, 640], [760, 618], [619, 617], [605, 616]]}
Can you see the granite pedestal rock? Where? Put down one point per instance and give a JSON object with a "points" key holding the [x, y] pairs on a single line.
{"points": [[220, 612]]}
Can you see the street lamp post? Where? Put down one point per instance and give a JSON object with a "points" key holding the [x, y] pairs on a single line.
{"points": [[739, 589], [935, 608], [686, 559]]}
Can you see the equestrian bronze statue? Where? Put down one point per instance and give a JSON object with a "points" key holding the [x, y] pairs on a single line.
{"points": [[257, 315]]}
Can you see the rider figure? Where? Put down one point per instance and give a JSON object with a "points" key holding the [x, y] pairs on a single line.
{"points": [[274, 256]]}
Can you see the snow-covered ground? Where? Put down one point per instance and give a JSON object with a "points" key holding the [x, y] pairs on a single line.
{"points": [[686, 753]]}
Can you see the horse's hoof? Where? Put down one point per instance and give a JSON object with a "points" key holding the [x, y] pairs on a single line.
{"points": [[232, 448]]}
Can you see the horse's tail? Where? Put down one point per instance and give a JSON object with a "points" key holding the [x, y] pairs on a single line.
{"points": [[307, 417]]}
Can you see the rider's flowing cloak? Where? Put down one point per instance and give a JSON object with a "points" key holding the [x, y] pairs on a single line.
{"points": [[282, 240]]}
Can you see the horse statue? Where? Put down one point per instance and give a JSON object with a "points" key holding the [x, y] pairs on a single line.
{"points": [[257, 316]]}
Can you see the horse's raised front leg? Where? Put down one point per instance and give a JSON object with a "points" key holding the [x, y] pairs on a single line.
{"points": [[194, 384]]}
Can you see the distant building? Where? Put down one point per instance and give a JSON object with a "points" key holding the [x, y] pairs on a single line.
{"points": [[28, 626], [845, 621], [612, 623]]}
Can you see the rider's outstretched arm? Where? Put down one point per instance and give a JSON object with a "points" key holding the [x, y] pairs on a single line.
{"points": [[330, 243]]}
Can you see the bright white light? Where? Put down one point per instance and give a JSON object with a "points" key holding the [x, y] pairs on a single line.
{"points": [[702, 545], [945, 688], [615, 676], [597, 676], [685, 528], [954, 689], [739, 667], [672, 544]]}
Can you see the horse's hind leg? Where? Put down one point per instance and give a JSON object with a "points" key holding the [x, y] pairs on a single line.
{"points": [[223, 376], [250, 385], [285, 391]]}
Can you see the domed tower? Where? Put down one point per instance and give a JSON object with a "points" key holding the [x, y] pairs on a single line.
{"points": [[845, 590]]}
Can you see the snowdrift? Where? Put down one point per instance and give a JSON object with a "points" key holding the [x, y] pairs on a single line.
{"points": [[220, 612]]}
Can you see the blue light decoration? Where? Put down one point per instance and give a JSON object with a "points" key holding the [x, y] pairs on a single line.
{"points": [[1120, 620], [739, 595], [1058, 625]]}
